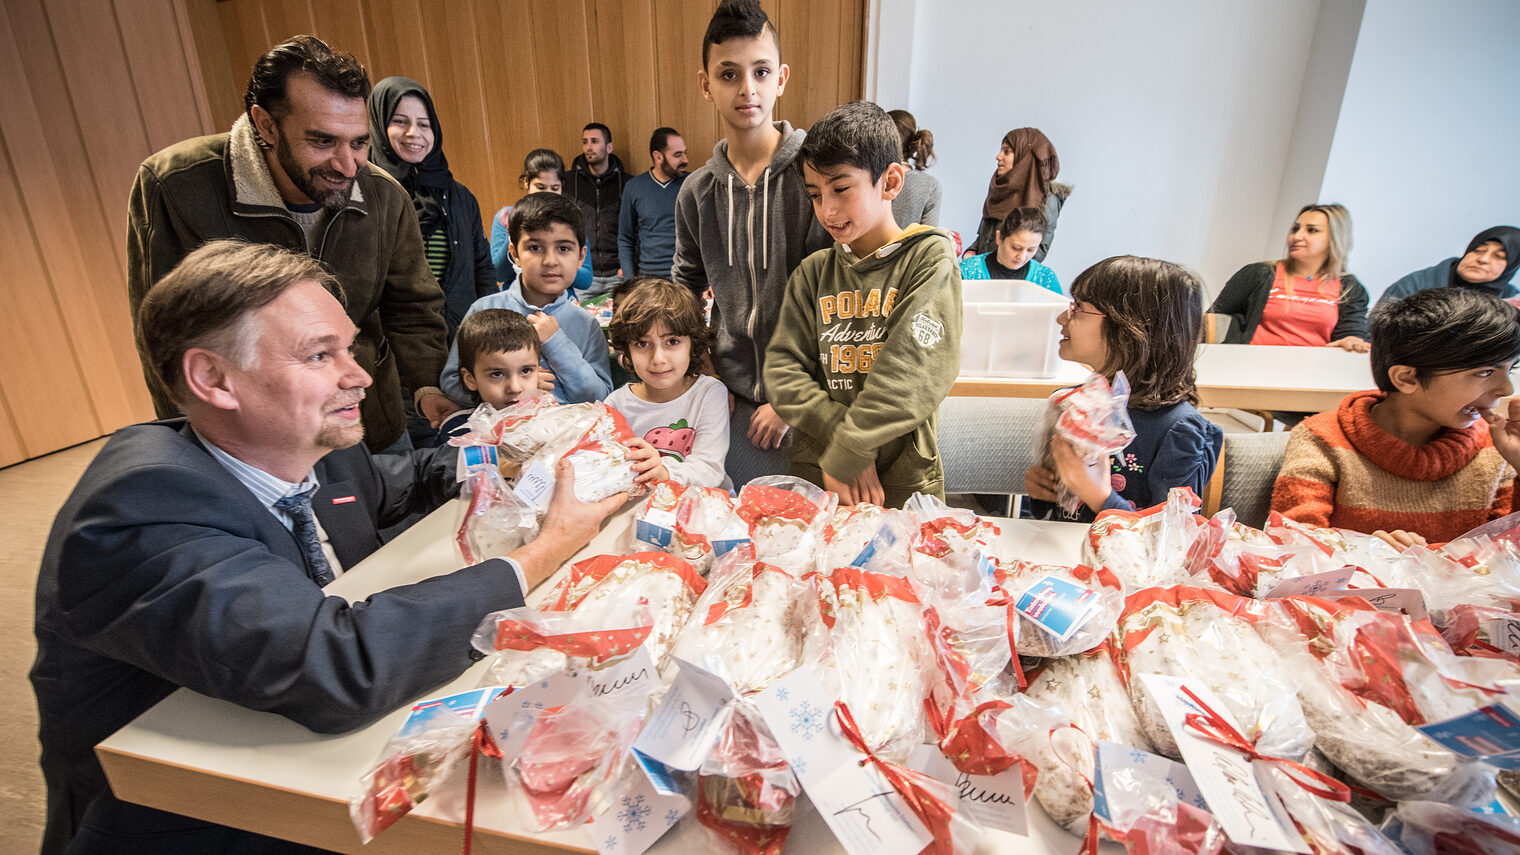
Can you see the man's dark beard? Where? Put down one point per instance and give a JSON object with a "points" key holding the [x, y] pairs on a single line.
{"points": [[332, 200]]}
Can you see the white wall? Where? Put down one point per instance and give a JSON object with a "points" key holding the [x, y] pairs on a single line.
{"points": [[1427, 150], [1173, 118]]}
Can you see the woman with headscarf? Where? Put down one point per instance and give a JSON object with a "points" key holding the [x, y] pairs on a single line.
{"points": [[1488, 265], [1026, 166], [407, 142]]}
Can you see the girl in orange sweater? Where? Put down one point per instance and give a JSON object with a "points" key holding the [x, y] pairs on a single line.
{"points": [[1432, 453]]}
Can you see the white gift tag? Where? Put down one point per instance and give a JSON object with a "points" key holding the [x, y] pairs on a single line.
{"points": [[1120, 767], [535, 485], [994, 801], [638, 816], [630, 680], [1407, 600], [511, 716], [690, 718], [866, 814], [800, 715], [1505, 634], [1226, 777], [1312, 585]]}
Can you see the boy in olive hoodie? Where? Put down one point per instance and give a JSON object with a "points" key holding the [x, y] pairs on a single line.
{"points": [[743, 223], [869, 340]]}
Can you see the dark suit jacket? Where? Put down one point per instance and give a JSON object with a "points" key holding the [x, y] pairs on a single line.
{"points": [[162, 571]]}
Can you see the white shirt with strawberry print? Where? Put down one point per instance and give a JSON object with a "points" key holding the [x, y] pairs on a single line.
{"points": [[691, 432]]}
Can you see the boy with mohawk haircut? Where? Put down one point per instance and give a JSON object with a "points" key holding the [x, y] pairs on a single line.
{"points": [[743, 223], [869, 339]]}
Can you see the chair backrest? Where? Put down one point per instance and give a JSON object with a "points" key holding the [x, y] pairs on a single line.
{"points": [[987, 444], [1250, 462]]}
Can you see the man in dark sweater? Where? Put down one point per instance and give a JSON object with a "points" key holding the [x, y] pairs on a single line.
{"points": [[596, 184], [647, 221]]}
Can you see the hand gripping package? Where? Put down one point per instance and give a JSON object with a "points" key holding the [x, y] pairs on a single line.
{"points": [[1095, 418]]}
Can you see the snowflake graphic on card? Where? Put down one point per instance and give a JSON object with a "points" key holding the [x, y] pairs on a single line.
{"points": [[633, 813], [783, 694], [671, 817], [807, 720], [610, 843], [798, 765]]}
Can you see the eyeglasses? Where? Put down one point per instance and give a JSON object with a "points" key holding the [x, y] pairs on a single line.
{"points": [[1075, 309]]}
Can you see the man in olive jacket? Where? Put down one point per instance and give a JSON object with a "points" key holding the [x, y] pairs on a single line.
{"points": [[294, 172]]}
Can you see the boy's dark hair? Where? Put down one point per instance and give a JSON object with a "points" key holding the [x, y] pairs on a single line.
{"points": [[1023, 220], [858, 134], [539, 161], [206, 300], [737, 19], [538, 211], [494, 331], [661, 138], [646, 301], [338, 72], [1441, 330], [1152, 325], [598, 126]]}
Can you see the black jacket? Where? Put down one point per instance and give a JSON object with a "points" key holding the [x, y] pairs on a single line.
{"points": [[163, 571], [600, 198], [470, 274], [1245, 297]]}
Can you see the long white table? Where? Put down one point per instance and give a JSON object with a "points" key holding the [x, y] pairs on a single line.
{"points": [[211, 759], [1243, 376]]}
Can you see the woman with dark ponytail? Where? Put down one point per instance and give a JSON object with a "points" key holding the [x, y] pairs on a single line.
{"points": [[919, 200]]}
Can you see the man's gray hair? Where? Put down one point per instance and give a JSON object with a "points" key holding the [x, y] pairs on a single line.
{"points": [[209, 301]]}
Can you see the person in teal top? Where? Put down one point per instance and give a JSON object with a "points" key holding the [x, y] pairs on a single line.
{"points": [[1018, 238]]}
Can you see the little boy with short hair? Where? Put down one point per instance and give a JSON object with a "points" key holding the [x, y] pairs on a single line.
{"points": [[498, 360], [743, 223], [1429, 455], [869, 339], [548, 244]]}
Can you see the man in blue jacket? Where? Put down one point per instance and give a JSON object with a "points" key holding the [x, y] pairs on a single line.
{"points": [[193, 551]]}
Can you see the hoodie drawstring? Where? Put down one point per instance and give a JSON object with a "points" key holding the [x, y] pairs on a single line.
{"points": [[730, 219], [765, 219]]}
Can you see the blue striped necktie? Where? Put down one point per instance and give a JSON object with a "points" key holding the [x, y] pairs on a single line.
{"points": [[298, 506]]}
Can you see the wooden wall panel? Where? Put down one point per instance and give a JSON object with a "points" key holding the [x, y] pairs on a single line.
{"points": [[72, 133], [508, 76]]}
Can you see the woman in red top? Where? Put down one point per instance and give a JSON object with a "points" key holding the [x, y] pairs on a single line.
{"points": [[1306, 299]]}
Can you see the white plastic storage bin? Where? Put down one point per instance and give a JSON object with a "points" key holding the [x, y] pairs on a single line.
{"points": [[1010, 329]]}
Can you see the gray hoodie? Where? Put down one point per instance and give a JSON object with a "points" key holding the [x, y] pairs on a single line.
{"points": [[744, 241]]}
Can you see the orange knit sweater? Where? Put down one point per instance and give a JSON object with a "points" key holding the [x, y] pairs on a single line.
{"points": [[1340, 469]]}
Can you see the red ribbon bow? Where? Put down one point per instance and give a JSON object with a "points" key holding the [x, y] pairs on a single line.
{"points": [[480, 743], [1212, 726], [1002, 599], [933, 812]]}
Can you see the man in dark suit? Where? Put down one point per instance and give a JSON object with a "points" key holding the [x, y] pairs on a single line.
{"points": [[193, 551]]}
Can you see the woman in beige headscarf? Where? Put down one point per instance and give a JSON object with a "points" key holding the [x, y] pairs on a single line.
{"points": [[1026, 166]]}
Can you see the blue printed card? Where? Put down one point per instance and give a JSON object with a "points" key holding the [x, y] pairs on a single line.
{"points": [[1493, 731], [465, 705], [1057, 606]]}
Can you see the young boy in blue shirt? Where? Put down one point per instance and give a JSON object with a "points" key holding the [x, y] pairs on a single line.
{"points": [[548, 245]]}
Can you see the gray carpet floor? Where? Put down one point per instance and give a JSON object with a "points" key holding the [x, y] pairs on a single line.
{"points": [[30, 495]]}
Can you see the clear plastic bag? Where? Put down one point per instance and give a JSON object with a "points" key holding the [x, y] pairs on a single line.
{"points": [[572, 753], [746, 791], [1206, 636], [953, 550], [707, 525], [527, 645], [495, 522], [753, 625], [1087, 692], [607, 588], [1146, 816], [418, 763], [866, 536], [786, 517], [1364, 680], [1433, 828], [1095, 418], [882, 654], [1147, 548], [1036, 640]]}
